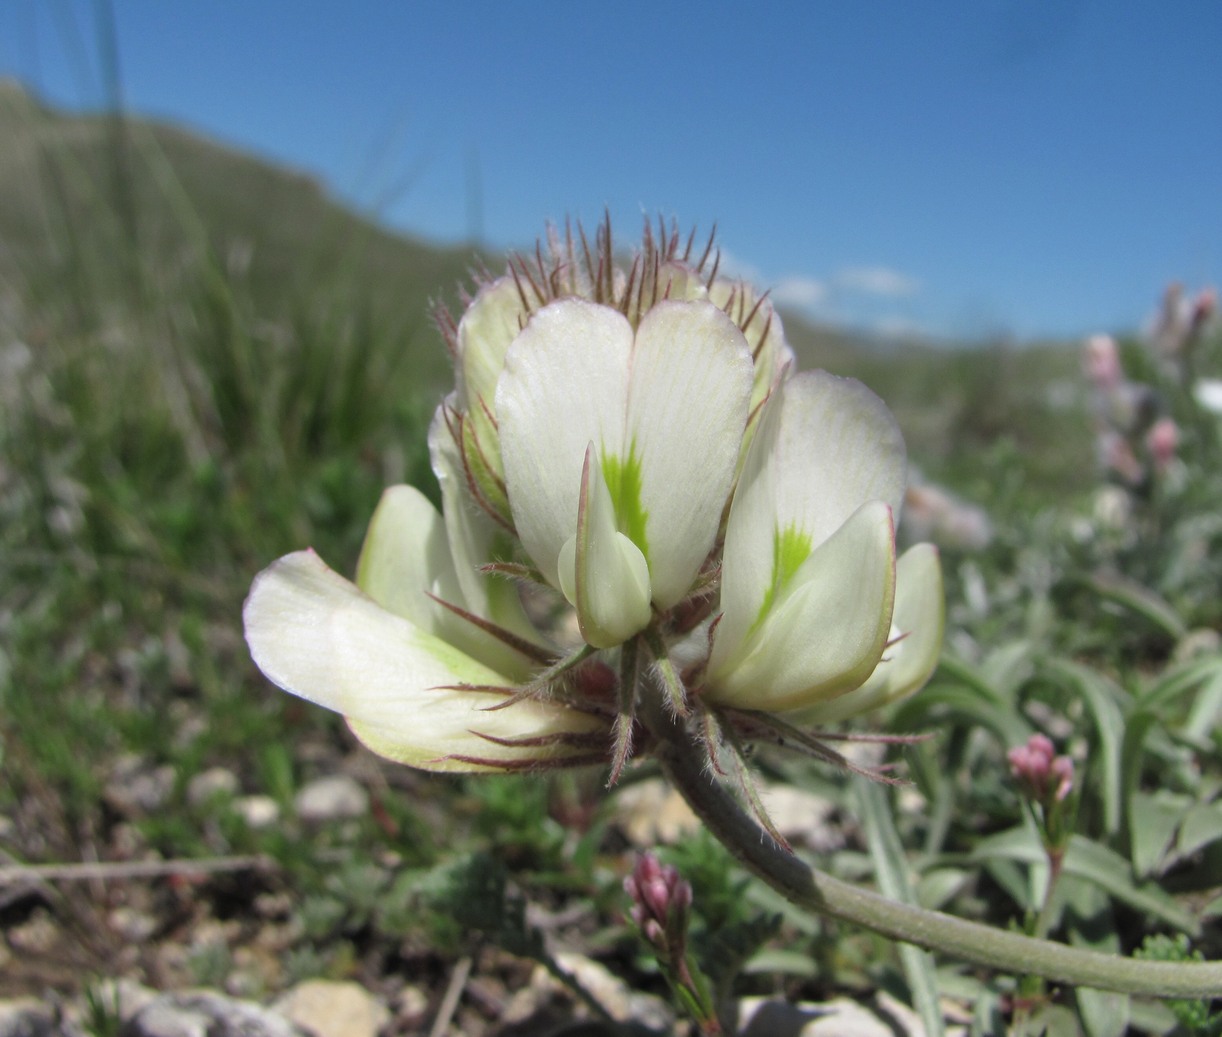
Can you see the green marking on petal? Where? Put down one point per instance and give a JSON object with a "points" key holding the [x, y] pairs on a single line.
{"points": [[482, 456], [503, 599], [610, 585], [623, 480], [790, 548]]}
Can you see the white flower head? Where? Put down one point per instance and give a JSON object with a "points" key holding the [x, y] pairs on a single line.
{"points": [[629, 444]]}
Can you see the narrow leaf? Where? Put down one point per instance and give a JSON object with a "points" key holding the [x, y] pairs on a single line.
{"points": [[891, 871]]}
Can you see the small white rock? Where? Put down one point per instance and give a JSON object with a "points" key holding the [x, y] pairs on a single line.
{"points": [[651, 812], [133, 925], [332, 1009], [802, 817], [206, 1013], [135, 788], [215, 781], [257, 811], [123, 996], [764, 1017], [333, 798], [621, 1002]]}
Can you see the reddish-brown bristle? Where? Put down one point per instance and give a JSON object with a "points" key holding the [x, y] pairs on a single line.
{"points": [[708, 250]]}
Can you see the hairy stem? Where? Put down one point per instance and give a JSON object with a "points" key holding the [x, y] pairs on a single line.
{"points": [[682, 759]]}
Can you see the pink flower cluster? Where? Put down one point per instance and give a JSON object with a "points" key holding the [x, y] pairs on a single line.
{"points": [[1180, 324], [1045, 777], [660, 900], [1137, 441]]}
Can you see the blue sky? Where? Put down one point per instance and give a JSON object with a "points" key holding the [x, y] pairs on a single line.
{"points": [[993, 167]]}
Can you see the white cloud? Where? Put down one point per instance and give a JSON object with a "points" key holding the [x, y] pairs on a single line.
{"points": [[799, 292], [733, 267], [898, 328], [876, 280], [875, 299]]}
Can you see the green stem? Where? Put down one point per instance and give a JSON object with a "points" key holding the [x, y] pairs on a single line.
{"points": [[1031, 987], [1044, 922], [682, 759]]}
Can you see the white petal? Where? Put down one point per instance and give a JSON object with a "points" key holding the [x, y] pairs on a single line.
{"points": [[474, 539], [488, 325], [839, 446], [680, 282], [669, 280], [824, 635], [1208, 393], [316, 635], [918, 621], [687, 408], [406, 558], [823, 447], [603, 573], [565, 384], [764, 332]]}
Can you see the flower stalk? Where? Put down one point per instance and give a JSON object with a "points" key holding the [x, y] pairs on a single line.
{"points": [[811, 889]]}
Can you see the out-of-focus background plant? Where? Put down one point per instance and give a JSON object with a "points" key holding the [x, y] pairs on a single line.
{"points": [[205, 362]]}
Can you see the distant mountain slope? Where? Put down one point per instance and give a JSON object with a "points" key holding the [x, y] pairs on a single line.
{"points": [[70, 183], [80, 195]]}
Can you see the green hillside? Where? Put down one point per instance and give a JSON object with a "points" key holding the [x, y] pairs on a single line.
{"points": [[81, 195], [125, 206]]}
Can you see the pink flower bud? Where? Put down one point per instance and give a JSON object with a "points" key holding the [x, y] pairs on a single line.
{"points": [[1043, 776], [1203, 307], [655, 894], [1162, 441], [1101, 361], [657, 891], [1062, 769], [1116, 455]]}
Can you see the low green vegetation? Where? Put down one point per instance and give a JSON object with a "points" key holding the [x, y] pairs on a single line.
{"points": [[204, 364]]}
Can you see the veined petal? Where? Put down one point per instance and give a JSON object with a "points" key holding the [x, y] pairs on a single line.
{"points": [[764, 333], [680, 282], [687, 408], [602, 572], [474, 540], [658, 281], [406, 557], [565, 384], [823, 447], [825, 633], [488, 325], [916, 635], [316, 635]]}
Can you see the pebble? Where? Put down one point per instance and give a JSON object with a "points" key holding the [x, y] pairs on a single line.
{"points": [[334, 798], [257, 811], [213, 783], [652, 812], [27, 1017], [133, 925], [207, 1014], [802, 817], [36, 935], [136, 788], [333, 1009], [840, 1018], [124, 997], [622, 1003]]}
